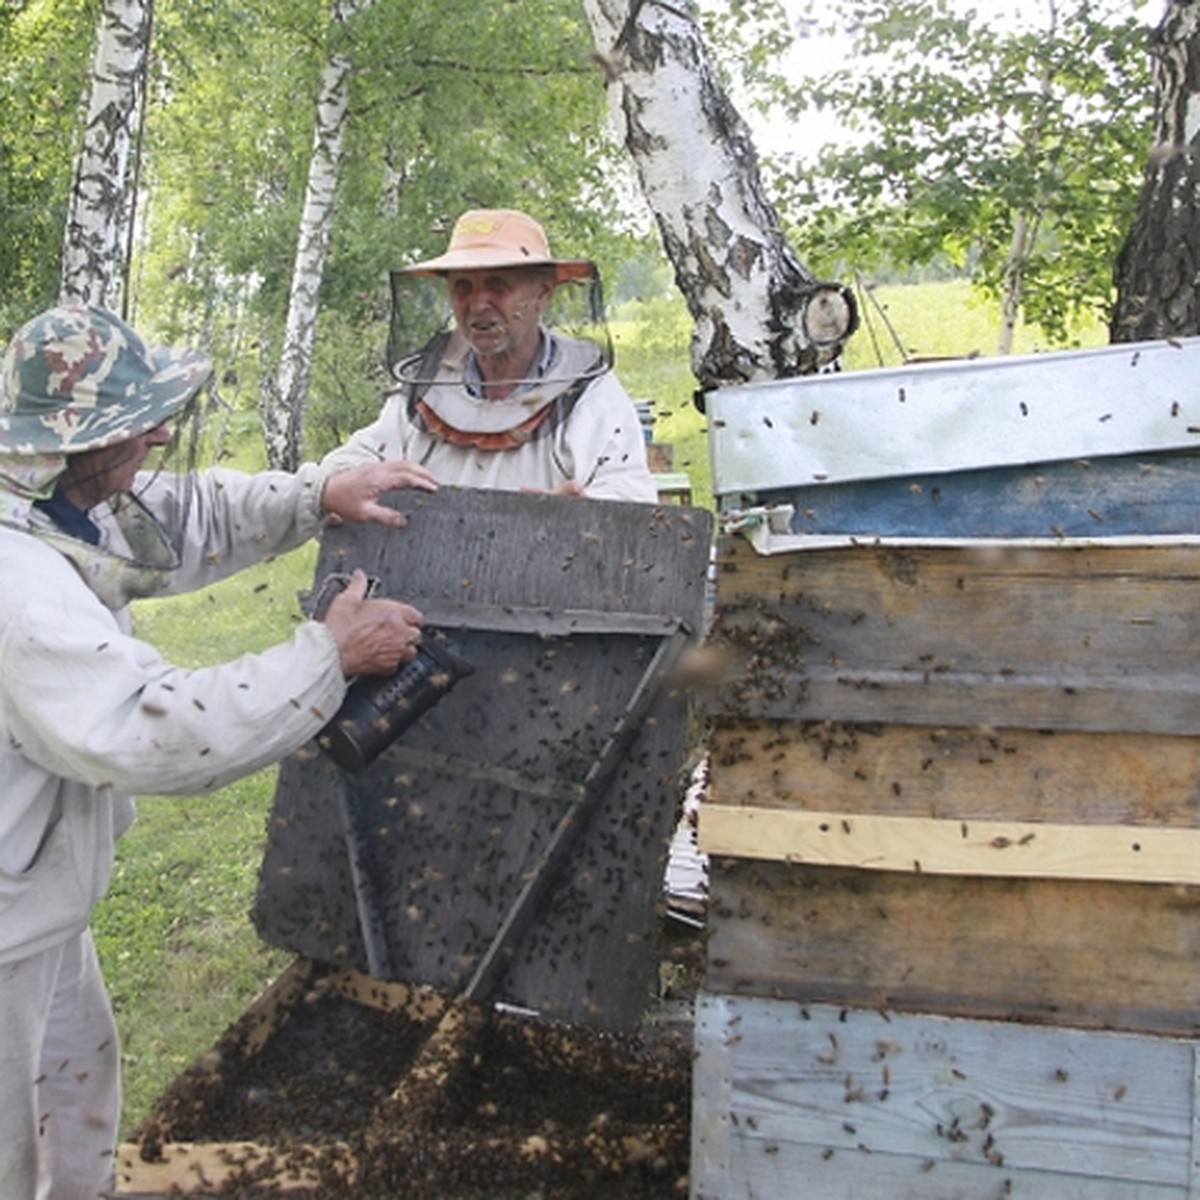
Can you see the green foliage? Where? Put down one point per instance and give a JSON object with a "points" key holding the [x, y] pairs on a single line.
{"points": [[511, 115], [651, 340], [45, 51], [960, 133]]}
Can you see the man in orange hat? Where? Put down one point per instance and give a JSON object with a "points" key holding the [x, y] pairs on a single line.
{"points": [[504, 400]]}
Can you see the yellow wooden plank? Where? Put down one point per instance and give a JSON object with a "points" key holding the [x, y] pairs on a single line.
{"points": [[952, 847], [208, 1168], [417, 1001], [267, 1011]]}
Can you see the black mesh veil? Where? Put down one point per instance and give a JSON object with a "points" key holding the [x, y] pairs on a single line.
{"points": [[163, 492]]}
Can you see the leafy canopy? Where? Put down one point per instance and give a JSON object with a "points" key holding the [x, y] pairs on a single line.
{"points": [[453, 105], [961, 135], [45, 51]]}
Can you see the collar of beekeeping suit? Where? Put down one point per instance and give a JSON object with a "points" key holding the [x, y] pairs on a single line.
{"points": [[442, 402], [136, 558]]}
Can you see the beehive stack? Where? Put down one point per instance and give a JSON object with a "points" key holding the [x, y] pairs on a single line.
{"points": [[955, 924]]}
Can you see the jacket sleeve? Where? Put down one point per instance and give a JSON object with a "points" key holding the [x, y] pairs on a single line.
{"points": [[383, 439], [608, 445], [226, 520], [85, 701]]}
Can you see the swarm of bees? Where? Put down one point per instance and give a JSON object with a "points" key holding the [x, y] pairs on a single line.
{"points": [[550, 1109]]}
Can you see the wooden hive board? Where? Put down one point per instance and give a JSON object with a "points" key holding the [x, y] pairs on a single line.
{"points": [[955, 771], [1099, 638], [560, 603], [297, 1097], [1098, 955], [960, 780], [970, 801], [883, 1106]]}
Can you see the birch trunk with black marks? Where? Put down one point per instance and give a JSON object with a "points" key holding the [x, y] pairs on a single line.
{"points": [[759, 312], [283, 397], [1158, 269], [101, 207]]}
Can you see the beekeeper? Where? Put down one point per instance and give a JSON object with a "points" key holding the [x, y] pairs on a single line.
{"points": [[89, 713], [503, 399]]}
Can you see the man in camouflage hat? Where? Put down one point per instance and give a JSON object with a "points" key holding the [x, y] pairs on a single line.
{"points": [[90, 714]]}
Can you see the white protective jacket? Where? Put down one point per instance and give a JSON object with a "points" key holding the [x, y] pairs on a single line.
{"points": [[90, 714], [590, 433]]}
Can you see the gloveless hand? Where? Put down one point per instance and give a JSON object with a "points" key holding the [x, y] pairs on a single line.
{"points": [[353, 494], [374, 636]]}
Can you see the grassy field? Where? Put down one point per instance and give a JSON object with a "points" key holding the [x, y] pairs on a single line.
{"points": [[179, 954], [181, 958]]}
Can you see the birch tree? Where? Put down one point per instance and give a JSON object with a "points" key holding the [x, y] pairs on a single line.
{"points": [[1158, 268], [45, 57], [283, 396], [440, 122], [100, 217], [759, 313]]}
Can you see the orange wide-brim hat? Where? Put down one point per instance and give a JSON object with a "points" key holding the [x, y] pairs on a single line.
{"points": [[495, 238]]}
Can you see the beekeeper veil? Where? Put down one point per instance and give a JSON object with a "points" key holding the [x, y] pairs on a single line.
{"points": [[497, 239], [78, 386]]}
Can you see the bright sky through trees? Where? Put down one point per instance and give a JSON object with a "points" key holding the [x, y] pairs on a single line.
{"points": [[817, 52]]}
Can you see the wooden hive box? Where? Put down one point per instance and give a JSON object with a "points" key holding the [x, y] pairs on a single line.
{"points": [[952, 820], [294, 1100], [393, 884]]}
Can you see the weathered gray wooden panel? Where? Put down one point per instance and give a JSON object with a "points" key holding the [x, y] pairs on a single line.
{"points": [[464, 549], [961, 773], [828, 1102], [783, 1171], [450, 821], [1094, 638], [1085, 953]]}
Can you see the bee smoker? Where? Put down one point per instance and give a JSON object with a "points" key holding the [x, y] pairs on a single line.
{"points": [[378, 709]]}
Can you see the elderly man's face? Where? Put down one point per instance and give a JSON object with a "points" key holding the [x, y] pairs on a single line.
{"points": [[498, 313]]}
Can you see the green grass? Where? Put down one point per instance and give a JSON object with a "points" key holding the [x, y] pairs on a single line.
{"points": [[180, 956], [935, 320]]}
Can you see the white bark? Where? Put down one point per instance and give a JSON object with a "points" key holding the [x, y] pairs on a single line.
{"points": [[284, 398], [100, 216], [758, 312], [1013, 289]]}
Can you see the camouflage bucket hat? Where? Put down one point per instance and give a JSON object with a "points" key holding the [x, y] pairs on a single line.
{"points": [[76, 378]]}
